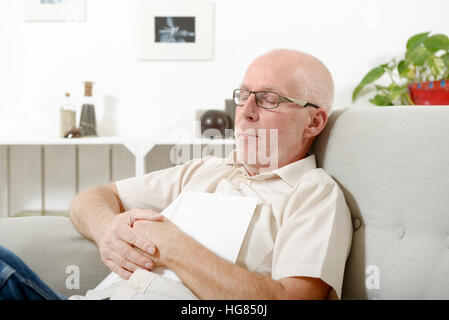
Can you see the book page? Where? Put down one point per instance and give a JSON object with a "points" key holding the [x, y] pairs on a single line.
{"points": [[218, 222]]}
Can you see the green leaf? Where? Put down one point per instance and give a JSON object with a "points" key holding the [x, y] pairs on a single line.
{"points": [[406, 70], [379, 88], [437, 42], [410, 73], [396, 91], [380, 100], [402, 67], [373, 75], [436, 65], [370, 77], [356, 91], [390, 65], [417, 56], [416, 40], [445, 58]]}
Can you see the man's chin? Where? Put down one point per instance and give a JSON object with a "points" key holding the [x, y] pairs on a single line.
{"points": [[252, 159]]}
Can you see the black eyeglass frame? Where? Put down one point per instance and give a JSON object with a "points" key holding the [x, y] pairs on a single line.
{"points": [[281, 99]]}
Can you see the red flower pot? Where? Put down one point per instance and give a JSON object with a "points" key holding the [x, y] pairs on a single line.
{"points": [[430, 92]]}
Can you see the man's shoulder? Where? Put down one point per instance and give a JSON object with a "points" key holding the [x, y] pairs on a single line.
{"points": [[317, 176], [315, 183], [317, 188]]}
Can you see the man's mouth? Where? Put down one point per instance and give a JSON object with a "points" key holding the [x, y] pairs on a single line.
{"points": [[246, 135]]}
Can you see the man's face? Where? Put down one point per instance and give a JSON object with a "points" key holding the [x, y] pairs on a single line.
{"points": [[284, 125]]}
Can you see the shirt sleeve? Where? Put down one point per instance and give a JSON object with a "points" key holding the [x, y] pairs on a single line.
{"points": [[157, 189], [315, 236]]}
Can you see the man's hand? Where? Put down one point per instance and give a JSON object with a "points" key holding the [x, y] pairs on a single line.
{"points": [[123, 249], [164, 234]]}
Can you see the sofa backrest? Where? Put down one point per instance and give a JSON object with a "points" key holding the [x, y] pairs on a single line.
{"points": [[392, 164]]}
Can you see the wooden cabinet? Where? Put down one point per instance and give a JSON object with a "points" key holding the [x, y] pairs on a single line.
{"points": [[41, 176]]}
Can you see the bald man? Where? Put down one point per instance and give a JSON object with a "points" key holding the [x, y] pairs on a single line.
{"points": [[299, 235]]}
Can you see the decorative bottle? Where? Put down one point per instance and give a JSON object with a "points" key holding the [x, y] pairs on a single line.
{"points": [[87, 119], [67, 116]]}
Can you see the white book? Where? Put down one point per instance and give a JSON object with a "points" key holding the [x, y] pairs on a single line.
{"points": [[218, 222]]}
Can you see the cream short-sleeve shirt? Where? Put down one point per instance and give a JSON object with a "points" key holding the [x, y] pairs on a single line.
{"points": [[302, 226]]}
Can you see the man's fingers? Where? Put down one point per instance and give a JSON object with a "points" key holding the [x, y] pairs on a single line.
{"points": [[147, 215], [129, 265], [134, 255], [136, 239], [124, 249], [125, 274]]}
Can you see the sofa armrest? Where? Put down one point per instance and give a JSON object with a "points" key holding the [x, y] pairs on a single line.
{"points": [[56, 251]]}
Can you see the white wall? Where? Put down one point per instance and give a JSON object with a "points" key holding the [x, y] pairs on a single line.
{"points": [[41, 61]]}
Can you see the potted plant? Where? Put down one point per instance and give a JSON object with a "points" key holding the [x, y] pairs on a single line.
{"points": [[420, 78]]}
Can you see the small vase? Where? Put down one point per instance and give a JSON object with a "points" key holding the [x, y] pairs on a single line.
{"points": [[430, 92], [214, 119]]}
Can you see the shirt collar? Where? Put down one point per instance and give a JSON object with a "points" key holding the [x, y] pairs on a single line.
{"points": [[290, 173]]}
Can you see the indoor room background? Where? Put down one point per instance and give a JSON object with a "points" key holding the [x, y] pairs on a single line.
{"points": [[41, 61]]}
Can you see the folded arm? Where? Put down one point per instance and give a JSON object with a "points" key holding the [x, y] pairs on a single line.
{"points": [[211, 277], [98, 213]]}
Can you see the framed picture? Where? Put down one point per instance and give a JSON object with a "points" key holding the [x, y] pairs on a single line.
{"points": [[176, 30], [55, 10]]}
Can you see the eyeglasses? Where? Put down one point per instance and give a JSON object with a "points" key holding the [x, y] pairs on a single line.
{"points": [[266, 99]]}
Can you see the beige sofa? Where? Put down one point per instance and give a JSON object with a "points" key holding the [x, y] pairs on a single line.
{"points": [[393, 166]]}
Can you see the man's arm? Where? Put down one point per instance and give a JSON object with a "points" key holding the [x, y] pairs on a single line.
{"points": [[98, 213], [211, 277], [92, 209]]}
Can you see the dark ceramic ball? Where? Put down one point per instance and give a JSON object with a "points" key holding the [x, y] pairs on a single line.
{"points": [[215, 119], [73, 133]]}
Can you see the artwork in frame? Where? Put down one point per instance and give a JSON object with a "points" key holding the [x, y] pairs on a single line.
{"points": [[176, 30], [55, 10]]}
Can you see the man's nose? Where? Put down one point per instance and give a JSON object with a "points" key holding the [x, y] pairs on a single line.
{"points": [[250, 110]]}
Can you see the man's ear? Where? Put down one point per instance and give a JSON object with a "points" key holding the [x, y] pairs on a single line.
{"points": [[316, 124]]}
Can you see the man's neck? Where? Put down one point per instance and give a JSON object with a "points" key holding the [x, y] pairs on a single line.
{"points": [[252, 170], [256, 169]]}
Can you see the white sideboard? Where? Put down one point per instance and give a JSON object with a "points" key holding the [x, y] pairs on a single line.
{"points": [[40, 176]]}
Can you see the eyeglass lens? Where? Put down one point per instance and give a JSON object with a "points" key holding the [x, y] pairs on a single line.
{"points": [[264, 99]]}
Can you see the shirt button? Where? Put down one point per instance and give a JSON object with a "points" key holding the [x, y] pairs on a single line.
{"points": [[244, 180], [400, 232], [357, 224], [135, 286]]}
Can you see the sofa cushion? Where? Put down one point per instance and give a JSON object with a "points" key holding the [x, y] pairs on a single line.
{"points": [[392, 164], [53, 248]]}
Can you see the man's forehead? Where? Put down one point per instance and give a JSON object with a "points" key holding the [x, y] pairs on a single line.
{"points": [[260, 87], [271, 77], [263, 87]]}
